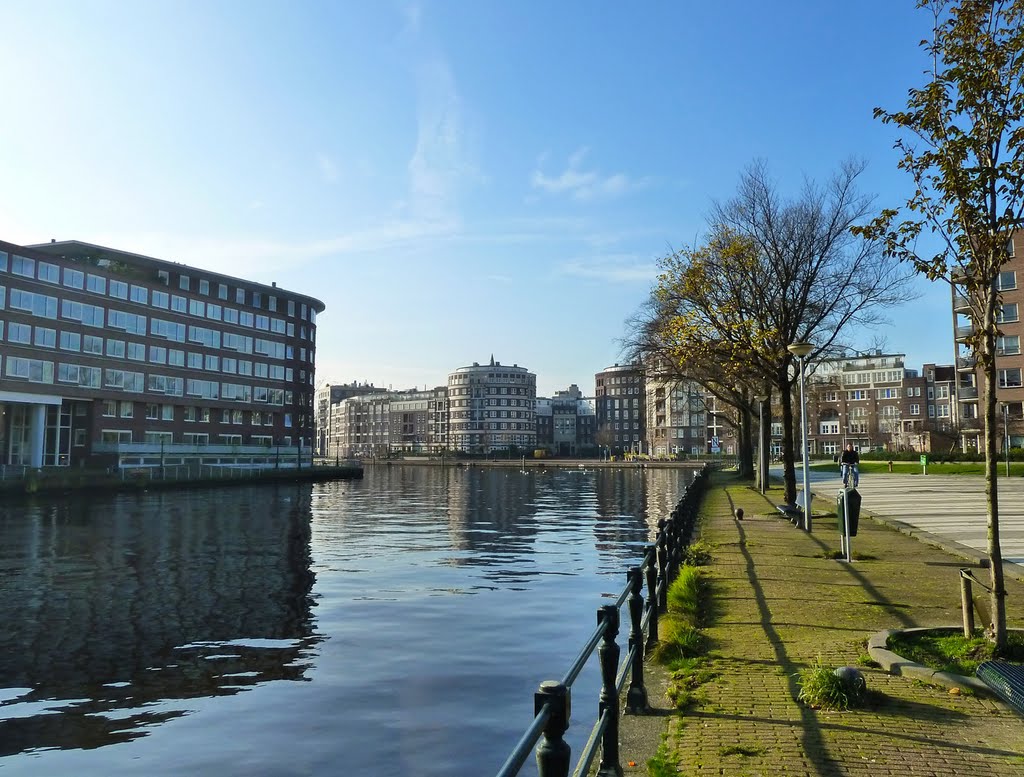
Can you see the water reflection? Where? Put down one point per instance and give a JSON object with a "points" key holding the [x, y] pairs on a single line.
{"points": [[115, 605], [443, 597]]}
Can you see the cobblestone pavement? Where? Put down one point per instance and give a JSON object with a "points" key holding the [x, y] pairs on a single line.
{"points": [[780, 605]]}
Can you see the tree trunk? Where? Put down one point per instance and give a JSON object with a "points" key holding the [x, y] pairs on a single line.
{"points": [[788, 458], [745, 440], [997, 628]]}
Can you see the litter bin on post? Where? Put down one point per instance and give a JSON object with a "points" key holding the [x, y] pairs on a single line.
{"points": [[848, 511]]}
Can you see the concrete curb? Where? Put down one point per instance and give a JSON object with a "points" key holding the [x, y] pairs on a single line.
{"points": [[897, 665]]}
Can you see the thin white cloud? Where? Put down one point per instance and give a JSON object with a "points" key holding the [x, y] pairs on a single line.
{"points": [[328, 168], [616, 269], [439, 167], [583, 184]]}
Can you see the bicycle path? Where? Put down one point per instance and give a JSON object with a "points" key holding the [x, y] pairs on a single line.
{"points": [[779, 607], [948, 510]]}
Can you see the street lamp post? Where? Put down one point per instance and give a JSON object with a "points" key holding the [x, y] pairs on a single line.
{"points": [[800, 351], [762, 458]]}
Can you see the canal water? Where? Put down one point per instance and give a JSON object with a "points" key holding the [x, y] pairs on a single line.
{"points": [[396, 625]]}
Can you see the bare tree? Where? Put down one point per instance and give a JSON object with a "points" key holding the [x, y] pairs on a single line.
{"points": [[772, 272]]}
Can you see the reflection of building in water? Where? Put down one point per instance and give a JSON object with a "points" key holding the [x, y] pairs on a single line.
{"points": [[649, 493], [121, 591], [488, 506]]}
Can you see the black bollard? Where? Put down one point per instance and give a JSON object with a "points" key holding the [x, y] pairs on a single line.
{"points": [[636, 696], [553, 753], [662, 566], [608, 654]]}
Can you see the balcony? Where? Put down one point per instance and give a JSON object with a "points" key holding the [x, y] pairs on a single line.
{"points": [[960, 303], [967, 392], [963, 332], [966, 363]]}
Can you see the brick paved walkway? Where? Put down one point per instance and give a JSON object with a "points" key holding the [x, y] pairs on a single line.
{"points": [[780, 605]]}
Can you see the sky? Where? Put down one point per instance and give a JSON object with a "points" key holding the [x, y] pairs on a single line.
{"points": [[454, 179]]}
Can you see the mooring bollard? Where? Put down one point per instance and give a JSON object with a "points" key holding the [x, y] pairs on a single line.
{"points": [[967, 603], [636, 696], [608, 654], [553, 753]]}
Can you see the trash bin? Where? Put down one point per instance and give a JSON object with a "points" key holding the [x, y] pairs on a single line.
{"points": [[851, 504]]}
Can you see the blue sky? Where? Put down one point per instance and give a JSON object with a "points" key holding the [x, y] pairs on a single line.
{"points": [[456, 178]]}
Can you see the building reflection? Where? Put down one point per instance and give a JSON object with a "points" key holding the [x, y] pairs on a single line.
{"points": [[115, 608]]}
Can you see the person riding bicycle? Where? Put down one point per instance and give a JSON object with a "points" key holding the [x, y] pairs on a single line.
{"points": [[849, 462]]}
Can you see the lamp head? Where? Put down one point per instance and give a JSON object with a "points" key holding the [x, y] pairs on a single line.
{"points": [[800, 350], [761, 397]]}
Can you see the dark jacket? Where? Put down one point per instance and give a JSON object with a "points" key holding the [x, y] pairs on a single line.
{"points": [[849, 457]]}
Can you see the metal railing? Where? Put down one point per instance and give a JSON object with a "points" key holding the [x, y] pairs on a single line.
{"points": [[552, 701]]}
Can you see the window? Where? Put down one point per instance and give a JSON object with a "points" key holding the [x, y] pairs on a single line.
{"points": [[183, 282], [139, 294], [19, 333], [50, 273], [157, 355], [152, 412], [857, 394], [175, 358], [1006, 280], [1008, 345], [222, 291], [915, 409], [109, 408], [97, 284], [119, 289], [46, 338], [70, 341], [1006, 313], [240, 296], [74, 279], [178, 304], [161, 299], [115, 348], [166, 412], [829, 427], [127, 409], [1010, 378], [137, 352], [22, 265], [196, 307], [204, 288]]}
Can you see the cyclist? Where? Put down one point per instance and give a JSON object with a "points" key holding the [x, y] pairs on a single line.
{"points": [[849, 462]]}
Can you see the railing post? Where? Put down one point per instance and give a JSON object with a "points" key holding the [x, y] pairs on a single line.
{"points": [[662, 541], [553, 753], [636, 696], [652, 595], [608, 654]]}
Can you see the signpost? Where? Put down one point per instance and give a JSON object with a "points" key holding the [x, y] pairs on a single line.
{"points": [[924, 462]]}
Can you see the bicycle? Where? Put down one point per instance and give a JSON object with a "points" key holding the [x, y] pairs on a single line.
{"points": [[849, 469]]}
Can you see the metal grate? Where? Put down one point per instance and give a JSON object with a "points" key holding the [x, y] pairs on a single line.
{"points": [[1006, 680]]}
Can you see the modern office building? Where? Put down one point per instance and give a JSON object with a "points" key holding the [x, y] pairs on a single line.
{"points": [[968, 413], [619, 399], [113, 357], [492, 407]]}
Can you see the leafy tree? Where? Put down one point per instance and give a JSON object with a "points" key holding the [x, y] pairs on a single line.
{"points": [[962, 142], [772, 272]]}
